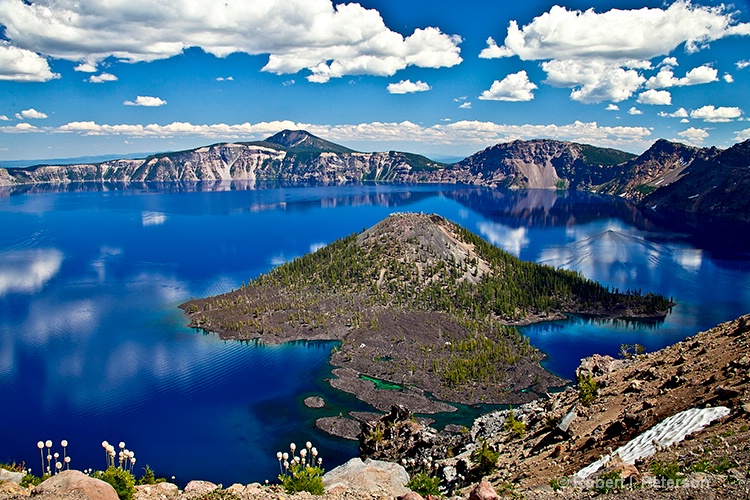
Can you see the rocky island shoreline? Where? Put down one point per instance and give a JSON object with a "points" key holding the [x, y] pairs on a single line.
{"points": [[419, 305]]}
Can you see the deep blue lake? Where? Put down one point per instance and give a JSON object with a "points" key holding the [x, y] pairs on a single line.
{"points": [[93, 347]]}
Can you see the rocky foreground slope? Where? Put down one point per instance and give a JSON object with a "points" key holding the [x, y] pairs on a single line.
{"points": [[538, 449], [541, 446]]}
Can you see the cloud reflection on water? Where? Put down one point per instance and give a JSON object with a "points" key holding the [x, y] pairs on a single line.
{"points": [[512, 240], [27, 271], [153, 219]]}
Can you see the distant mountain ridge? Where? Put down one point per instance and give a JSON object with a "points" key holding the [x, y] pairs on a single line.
{"points": [[668, 176]]}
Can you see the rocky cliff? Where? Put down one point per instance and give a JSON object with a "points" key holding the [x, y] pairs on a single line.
{"points": [[715, 183], [661, 165], [667, 177], [292, 156], [541, 164]]}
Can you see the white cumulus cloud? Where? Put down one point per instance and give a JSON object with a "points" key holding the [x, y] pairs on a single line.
{"points": [[465, 105], [31, 114], [328, 41], [742, 64], [408, 87], [104, 77], [714, 114], [21, 65], [635, 111], [742, 135], [728, 78], [593, 81], [20, 128], [612, 107], [145, 100], [657, 97], [460, 133], [669, 61], [600, 55], [86, 67], [514, 87], [680, 113], [617, 34], [694, 135], [696, 76]]}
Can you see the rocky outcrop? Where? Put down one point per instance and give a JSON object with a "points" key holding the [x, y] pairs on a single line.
{"points": [[78, 483], [715, 184], [340, 426], [483, 491], [10, 476], [370, 478], [197, 488], [661, 165], [541, 164], [158, 491], [315, 402], [646, 396]]}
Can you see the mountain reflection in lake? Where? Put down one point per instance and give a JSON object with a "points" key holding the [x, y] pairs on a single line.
{"points": [[93, 348]]}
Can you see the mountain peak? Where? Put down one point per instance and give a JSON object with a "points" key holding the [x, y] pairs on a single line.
{"points": [[304, 141]]}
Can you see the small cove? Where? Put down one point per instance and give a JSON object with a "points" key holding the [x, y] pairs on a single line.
{"points": [[92, 346]]}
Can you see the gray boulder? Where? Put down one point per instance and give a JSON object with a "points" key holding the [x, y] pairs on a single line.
{"points": [[158, 491], [374, 478], [197, 488], [73, 481], [7, 476]]}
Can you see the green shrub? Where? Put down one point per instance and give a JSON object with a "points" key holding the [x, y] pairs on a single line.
{"points": [[667, 473], [149, 477], [485, 458], [556, 484], [121, 480], [588, 390], [424, 484], [515, 426], [32, 480], [303, 478], [608, 482], [720, 466], [629, 351]]}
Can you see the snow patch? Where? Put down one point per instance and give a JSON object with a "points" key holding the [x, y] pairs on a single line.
{"points": [[664, 434]]}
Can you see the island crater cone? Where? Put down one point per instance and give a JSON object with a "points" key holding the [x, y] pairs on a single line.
{"points": [[419, 305]]}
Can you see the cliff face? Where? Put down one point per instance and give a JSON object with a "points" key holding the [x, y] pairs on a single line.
{"points": [[715, 184], [667, 177], [661, 165], [541, 164], [288, 156]]}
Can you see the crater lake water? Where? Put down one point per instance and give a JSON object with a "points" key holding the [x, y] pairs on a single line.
{"points": [[93, 347]]}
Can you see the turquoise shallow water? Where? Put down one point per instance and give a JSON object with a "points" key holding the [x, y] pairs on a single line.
{"points": [[93, 347]]}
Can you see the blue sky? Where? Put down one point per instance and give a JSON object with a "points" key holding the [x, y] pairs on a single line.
{"points": [[95, 77]]}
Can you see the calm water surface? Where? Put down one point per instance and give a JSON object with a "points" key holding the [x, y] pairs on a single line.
{"points": [[93, 347]]}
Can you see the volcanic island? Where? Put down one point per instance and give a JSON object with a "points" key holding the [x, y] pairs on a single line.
{"points": [[420, 306]]}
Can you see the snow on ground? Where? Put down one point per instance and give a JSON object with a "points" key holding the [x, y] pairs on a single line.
{"points": [[664, 434]]}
